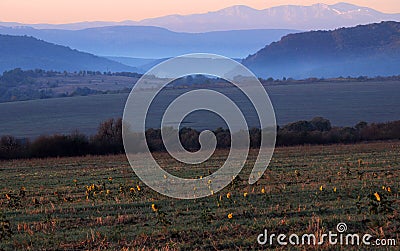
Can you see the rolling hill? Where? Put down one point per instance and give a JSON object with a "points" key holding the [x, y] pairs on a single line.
{"points": [[154, 42], [364, 50], [30, 53]]}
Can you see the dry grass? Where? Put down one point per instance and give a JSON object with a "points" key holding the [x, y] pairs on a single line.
{"points": [[307, 189]]}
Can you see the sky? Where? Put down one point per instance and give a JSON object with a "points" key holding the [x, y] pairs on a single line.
{"points": [[67, 11]]}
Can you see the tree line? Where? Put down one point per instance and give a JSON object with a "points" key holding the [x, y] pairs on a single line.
{"points": [[108, 139], [19, 84]]}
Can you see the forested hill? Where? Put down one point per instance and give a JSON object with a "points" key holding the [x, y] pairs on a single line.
{"points": [[30, 53], [365, 50]]}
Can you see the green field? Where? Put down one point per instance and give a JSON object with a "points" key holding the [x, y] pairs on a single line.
{"points": [[343, 103], [51, 204]]}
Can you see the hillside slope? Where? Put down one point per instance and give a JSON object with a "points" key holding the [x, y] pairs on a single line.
{"points": [[369, 50], [30, 53], [154, 42]]}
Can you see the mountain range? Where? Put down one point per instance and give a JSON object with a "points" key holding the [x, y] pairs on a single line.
{"points": [[153, 42], [255, 35], [314, 17], [297, 17], [364, 50], [31, 53]]}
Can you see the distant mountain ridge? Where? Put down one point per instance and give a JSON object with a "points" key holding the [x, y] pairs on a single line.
{"points": [[315, 17], [30, 53], [154, 42], [364, 50], [297, 17]]}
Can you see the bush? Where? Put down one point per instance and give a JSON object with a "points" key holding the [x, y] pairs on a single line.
{"points": [[108, 139], [60, 146], [11, 148]]}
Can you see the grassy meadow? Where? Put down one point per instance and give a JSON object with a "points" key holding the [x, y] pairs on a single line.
{"points": [[343, 103], [97, 203]]}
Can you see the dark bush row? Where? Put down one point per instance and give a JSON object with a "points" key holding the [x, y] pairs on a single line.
{"points": [[108, 139]]}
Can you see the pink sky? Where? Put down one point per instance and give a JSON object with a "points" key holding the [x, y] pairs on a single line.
{"points": [[66, 11]]}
